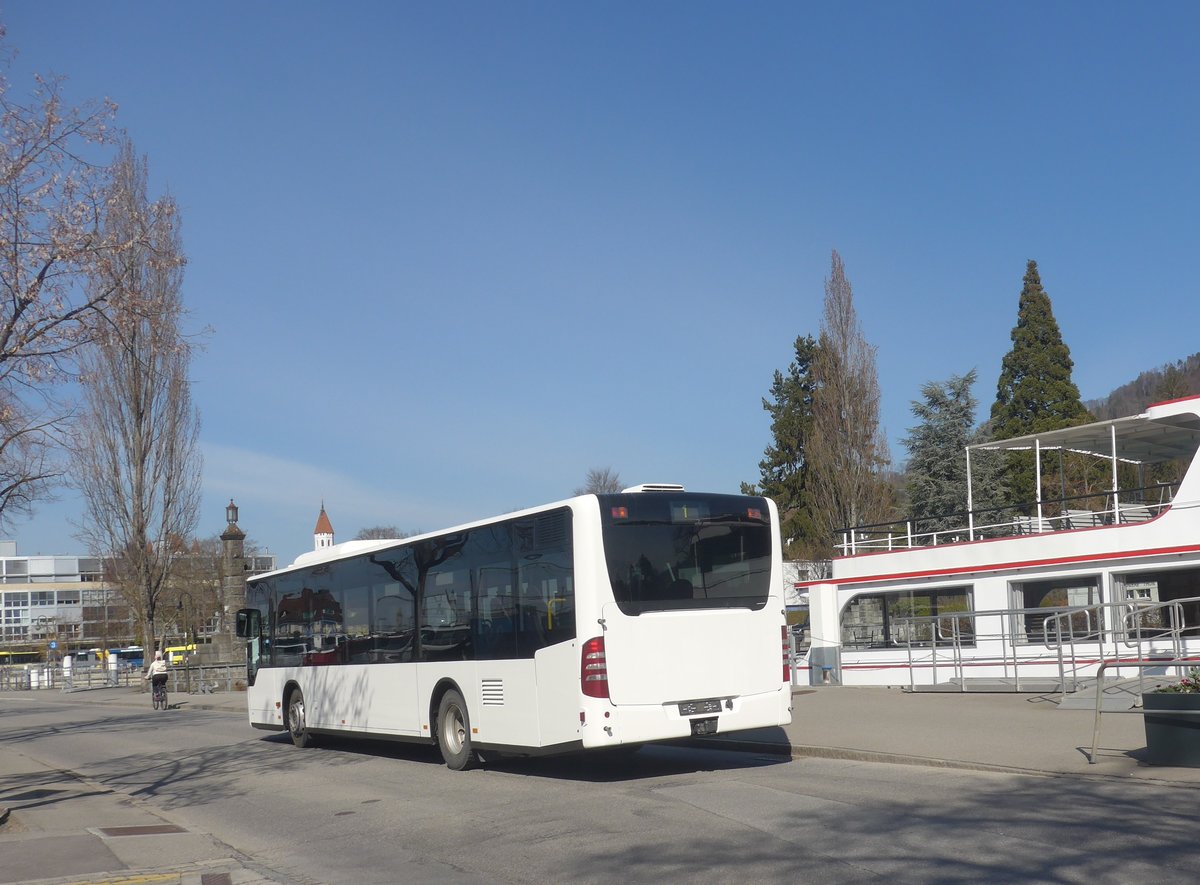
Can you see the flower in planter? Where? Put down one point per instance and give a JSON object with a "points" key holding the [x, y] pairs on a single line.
{"points": [[1190, 684]]}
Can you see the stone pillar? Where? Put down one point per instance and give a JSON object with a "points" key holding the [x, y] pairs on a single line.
{"points": [[233, 565], [226, 646]]}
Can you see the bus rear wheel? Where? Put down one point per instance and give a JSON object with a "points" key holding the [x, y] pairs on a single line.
{"points": [[454, 732], [296, 722]]}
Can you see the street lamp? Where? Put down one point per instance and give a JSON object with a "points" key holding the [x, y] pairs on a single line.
{"points": [[187, 622]]}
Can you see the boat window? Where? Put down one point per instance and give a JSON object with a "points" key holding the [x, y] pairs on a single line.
{"points": [[909, 618], [1162, 586], [1039, 601]]}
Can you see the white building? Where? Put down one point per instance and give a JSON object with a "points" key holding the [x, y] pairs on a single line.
{"points": [[44, 598]]}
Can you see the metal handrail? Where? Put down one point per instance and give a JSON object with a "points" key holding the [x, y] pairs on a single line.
{"points": [[948, 626], [1176, 662], [1125, 626], [1127, 629]]}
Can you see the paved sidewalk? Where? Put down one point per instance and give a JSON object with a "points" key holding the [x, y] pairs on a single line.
{"points": [[59, 828], [49, 840], [994, 731]]}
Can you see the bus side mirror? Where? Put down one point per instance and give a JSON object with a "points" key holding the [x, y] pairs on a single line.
{"points": [[249, 623]]}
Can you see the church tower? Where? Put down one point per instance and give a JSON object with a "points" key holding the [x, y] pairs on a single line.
{"points": [[323, 533]]}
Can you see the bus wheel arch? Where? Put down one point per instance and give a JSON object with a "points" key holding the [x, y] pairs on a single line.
{"points": [[452, 726], [295, 716]]}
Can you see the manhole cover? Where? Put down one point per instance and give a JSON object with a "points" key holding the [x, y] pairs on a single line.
{"points": [[155, 830]]}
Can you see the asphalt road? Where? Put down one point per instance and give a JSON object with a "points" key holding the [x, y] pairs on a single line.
{"points": [[366, 812]]}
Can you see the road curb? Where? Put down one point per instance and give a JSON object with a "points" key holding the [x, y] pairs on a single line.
{"points": [[800, 751]]}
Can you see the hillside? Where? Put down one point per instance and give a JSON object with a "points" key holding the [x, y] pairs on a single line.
{"points": [[1171, 381]]}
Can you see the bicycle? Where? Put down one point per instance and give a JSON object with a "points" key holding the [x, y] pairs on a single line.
{"points": [[159, 693]]}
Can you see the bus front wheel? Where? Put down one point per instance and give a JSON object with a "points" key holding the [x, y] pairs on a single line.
{"points": [[454, 731], [296, 721]]}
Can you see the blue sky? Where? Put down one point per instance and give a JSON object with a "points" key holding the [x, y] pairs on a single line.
{"points": [[455, 254]]}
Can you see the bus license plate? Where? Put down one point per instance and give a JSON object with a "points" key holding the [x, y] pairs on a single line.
{"points": [[695, 708], [704, 726]]}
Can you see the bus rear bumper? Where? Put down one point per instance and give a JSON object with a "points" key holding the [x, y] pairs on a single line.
{"points": [[609, 725]]}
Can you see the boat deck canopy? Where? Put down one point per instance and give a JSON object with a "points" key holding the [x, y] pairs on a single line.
{"points": [[1139, 440]]}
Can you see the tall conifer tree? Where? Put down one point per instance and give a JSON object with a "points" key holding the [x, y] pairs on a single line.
{"points": [[1035, 392], [783, 468]]}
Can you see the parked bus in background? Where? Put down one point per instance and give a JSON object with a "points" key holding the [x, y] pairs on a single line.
{"points": [[88, 657], [129, 656], [600, 621], [20, 657], [177, 654]]}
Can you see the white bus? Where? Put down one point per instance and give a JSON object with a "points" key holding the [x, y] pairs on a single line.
{"points": [[600, 621]]}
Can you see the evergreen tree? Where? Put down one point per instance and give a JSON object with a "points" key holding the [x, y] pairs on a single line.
{"points": [[937, 460], [1035, 392], [784, 464]]}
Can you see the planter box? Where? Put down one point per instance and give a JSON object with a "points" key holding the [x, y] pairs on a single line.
{"points": [[1172, 739]]}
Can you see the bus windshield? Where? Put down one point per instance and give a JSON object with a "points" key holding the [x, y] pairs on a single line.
{"points": [[675, 551]]}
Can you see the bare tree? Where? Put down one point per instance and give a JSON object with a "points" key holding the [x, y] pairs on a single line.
{"points": [[847, 452], [193, 600], [135, 456], [192, 597], [381, 533], [52, 199], [600, 481]]}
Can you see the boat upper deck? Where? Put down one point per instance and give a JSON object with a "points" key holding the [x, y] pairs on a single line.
{"points": [[1136, 489]]}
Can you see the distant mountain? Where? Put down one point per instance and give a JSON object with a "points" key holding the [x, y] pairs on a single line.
{"points": [[1171, 381]]}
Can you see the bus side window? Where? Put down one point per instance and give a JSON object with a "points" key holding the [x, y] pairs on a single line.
{"points": [[534, 613], [494, 627]]}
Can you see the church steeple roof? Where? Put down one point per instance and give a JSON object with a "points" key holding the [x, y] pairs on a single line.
{"points": [[324, 526]]}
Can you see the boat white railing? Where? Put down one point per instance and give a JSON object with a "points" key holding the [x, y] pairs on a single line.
{"points": [[1126, 507]]}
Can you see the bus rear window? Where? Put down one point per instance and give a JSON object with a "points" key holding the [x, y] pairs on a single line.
{"points": [[677, 551]]}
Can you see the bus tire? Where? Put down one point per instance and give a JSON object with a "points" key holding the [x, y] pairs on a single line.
{"points": [[454, 732], [297, 722]]}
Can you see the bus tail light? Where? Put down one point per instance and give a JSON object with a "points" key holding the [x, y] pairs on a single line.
{"points": [[787, 654], [593, 670]]}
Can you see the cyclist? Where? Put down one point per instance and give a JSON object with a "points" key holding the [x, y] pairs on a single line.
{"points": [[157, 674]]}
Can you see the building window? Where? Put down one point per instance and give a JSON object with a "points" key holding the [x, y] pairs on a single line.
{"points": [[90, 569]]}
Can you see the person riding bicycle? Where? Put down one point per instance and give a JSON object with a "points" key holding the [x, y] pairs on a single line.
{"points": [[157, 673]]}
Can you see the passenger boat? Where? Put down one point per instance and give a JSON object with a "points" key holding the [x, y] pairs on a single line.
{"points": [[1043, 591]]}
